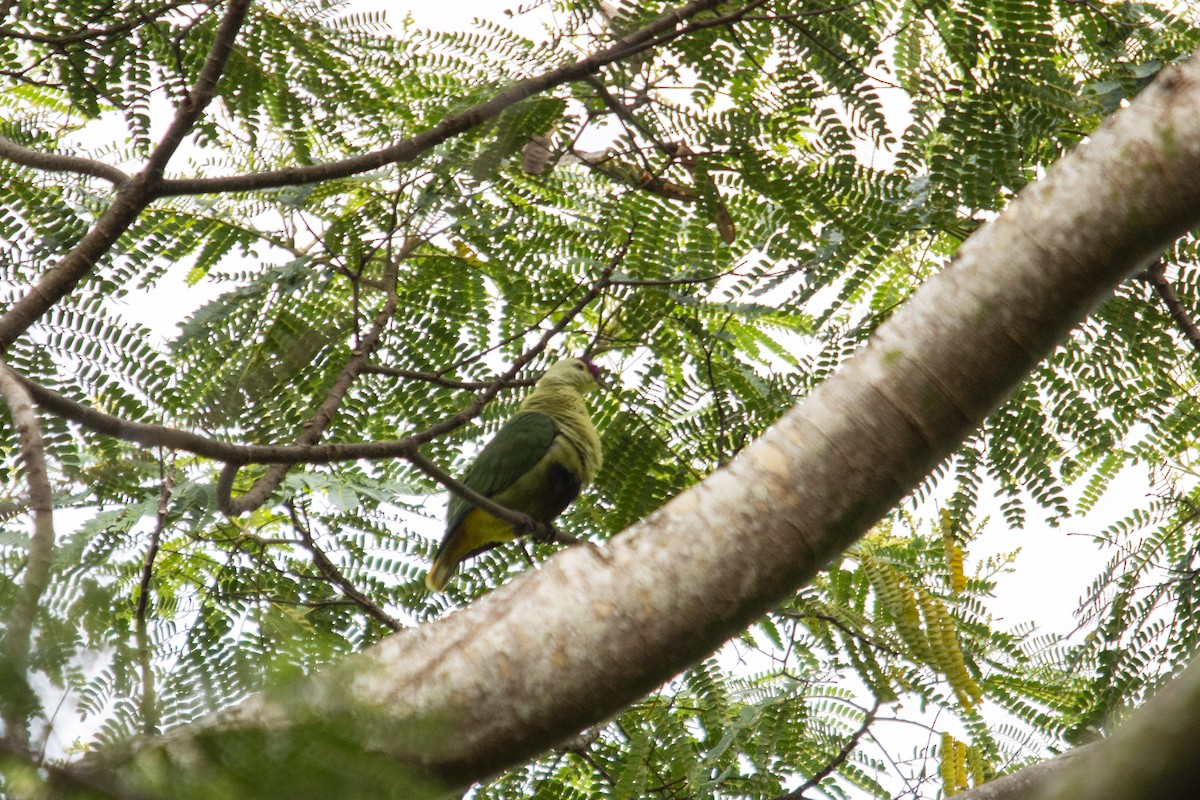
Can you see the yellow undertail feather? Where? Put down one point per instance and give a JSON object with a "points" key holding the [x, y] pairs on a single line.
{"points": [[477, 529]]}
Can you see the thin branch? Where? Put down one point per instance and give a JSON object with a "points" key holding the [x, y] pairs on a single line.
{"points": [[237, 454], [58, 162], [521, 522], [335, 576], [41, 540], [439, 380], [812, 12], [625, 114], [85, 34], [149, 698], [637, 177], [843, 627], [837, 760], [314, 426], [133, 195], [1156, 276], [845, 61], [663, 29]]}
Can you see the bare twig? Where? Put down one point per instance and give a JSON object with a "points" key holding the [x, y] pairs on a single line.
{"points": [[439, 380], [843, 627], [41, 541], [149, 696], [625, 114], [838, 759], [335, 575]]}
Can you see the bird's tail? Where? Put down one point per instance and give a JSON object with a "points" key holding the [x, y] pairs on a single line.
{"points": [[478, 531], [440, 573]]}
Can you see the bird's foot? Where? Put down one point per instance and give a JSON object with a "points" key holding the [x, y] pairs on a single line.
{"points": [[546, 533], [542, 532], [538, 531]]}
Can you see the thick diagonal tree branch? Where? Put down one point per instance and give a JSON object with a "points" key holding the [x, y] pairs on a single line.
{"points": [[559, 649]]}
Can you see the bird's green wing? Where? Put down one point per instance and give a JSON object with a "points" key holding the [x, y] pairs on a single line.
{"points": [[515, 449]]}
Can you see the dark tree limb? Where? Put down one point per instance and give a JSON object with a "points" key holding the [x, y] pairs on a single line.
{"points": [[57, 162], [149, 707], [838, 759], [1156, 276], [666, 28], [133, 195]]}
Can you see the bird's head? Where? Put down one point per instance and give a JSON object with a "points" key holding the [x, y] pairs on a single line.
{"points": [[578, 373]]}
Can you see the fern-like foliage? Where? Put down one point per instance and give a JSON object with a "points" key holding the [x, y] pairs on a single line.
{"points": [[724, 220]]}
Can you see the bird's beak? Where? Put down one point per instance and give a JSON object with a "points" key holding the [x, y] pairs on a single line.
{"points": [[596, 375]]}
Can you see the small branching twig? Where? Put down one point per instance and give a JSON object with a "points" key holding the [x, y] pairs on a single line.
{"points": [[334, 575], [844, 628], [838, 759], [625, 114], [314, 426], [439, 380], [149, 696]]}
